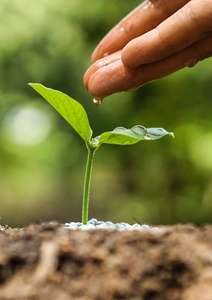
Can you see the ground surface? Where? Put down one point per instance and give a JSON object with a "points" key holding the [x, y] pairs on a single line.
{"points": [[46, 261]]}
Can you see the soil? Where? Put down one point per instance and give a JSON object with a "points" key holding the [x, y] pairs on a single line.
{"points": [[46, 261]]}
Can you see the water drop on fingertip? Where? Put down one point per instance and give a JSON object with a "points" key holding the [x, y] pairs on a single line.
{"points": [[97, 102]]}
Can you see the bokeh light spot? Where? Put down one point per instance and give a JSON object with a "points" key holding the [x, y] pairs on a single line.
{"points": [[27, 126]]}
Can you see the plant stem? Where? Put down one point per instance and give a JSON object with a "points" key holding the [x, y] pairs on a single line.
{"points": [[89, 164]]}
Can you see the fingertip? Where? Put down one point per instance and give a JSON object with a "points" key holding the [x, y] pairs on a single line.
{"points": [[125, 58], [95, 56], [85, 80], [99, 52], [93, 68], [88, 74], [98, 65], [110, 79], [102, 84], [95, 86], [128, 56]]}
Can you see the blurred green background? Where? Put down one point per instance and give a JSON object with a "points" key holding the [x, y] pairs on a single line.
{"points": [[42, 160]]}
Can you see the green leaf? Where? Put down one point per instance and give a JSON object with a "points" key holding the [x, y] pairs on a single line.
{"points": [[157, 133], [71, 110], [123, 136]]}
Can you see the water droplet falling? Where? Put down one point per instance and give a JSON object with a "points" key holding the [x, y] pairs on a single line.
{"points": [[97, 102]]}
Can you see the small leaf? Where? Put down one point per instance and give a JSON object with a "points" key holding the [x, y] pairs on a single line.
{"points": [[123, 136], [157, 133], [71, 110]]}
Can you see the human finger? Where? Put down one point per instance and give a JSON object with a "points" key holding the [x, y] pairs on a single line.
{"points": [[185, 27], [117, 78], [142, 19], [100, 64]]}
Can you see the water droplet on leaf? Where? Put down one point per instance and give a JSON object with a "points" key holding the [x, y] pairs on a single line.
{"points": [[147, 137], [95, 142], [138, 129], [119, 129]]}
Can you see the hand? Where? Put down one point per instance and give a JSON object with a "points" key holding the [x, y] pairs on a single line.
{"points": [[156, 39]]}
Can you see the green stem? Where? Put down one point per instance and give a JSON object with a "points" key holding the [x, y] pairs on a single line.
{"points": [[90, 159]]}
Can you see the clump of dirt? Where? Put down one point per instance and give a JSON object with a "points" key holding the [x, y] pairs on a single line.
{"points": [[46, 261]]}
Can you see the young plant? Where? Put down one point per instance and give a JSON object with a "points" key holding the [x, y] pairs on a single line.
{"points": [[73, 112]]}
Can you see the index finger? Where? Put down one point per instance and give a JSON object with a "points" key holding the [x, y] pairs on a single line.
{"points": [[145, 17], [116, 77]]}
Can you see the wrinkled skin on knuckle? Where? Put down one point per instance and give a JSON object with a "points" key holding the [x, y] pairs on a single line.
{"points": [[201, 12], [143, 18], [207, 4]]}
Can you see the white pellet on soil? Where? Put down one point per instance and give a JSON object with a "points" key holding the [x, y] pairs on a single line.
{"points": [[94, 224]]}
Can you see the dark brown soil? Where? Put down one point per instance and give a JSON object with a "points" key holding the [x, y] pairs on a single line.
{"points": [[47, 261]]}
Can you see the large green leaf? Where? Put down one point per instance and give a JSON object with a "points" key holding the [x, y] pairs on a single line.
{"points": [[123, 136], [71, 110]]}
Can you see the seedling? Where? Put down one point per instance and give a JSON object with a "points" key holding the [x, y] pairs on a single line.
{"points": [[73, 112]]}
